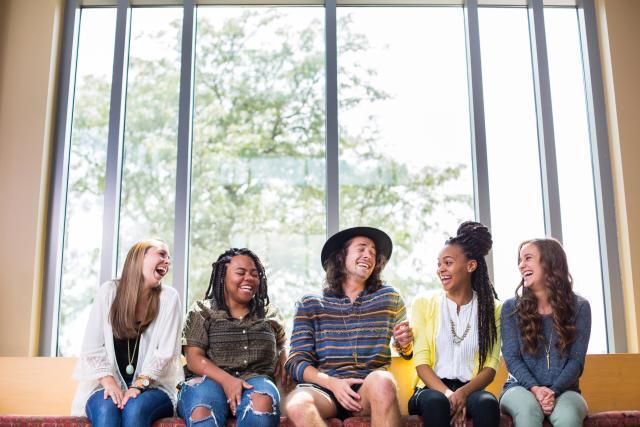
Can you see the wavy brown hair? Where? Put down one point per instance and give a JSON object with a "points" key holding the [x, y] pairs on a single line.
{"points": [[336, 273], [559, 286], [122, 314]]}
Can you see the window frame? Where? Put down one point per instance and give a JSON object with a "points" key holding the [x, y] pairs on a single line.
{"points": [[599, 140]]}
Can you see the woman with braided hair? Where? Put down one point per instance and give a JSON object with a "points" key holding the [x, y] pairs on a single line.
{"points": [[457, 339], [233, 341], [545, 331]]}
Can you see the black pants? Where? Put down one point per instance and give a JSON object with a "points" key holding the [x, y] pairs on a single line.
{"points": [[434, 406]]}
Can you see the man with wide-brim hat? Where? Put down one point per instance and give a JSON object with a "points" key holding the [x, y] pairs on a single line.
{"points": [[340, 342]]}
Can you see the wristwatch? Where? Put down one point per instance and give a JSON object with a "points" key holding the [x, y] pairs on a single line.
{"points": [[141, 383]]}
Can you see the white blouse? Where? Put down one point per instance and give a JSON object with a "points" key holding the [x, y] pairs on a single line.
{"points": [[158, 355], [455, 360]]}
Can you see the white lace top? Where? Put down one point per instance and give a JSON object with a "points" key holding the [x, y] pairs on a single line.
{"points": [[159, 352]]}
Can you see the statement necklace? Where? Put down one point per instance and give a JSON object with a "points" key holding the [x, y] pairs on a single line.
{"points": [[458, 339]]}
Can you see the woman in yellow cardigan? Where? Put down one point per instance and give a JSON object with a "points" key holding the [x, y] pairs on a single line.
{"points": [[457, 336]]}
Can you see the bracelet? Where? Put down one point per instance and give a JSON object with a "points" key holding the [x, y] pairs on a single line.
{"points": [[402, 350], [140, 389]]}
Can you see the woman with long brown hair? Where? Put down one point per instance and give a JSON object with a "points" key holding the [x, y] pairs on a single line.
{"points": [[130, 359], [545, 335]]}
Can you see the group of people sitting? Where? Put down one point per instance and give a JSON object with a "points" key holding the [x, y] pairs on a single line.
{"points": [[131, 373]]}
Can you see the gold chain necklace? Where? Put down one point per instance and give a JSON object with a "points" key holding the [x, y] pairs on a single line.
{"points": [[354, 348], [458, 339], [130, 369]]}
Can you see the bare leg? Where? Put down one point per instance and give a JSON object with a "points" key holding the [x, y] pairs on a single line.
{"points": [[379, 398], [308, 407]]}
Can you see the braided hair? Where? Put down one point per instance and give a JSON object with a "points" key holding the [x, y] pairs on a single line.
{"points": [[215, 291], [475, 241]]}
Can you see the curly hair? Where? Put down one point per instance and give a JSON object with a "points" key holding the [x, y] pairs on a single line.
{"points": [[559, 286], [215, 291], [475, 241], [336, 272]]}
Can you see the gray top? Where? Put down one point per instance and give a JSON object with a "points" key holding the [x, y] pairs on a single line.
{"points": [[528, 370]]}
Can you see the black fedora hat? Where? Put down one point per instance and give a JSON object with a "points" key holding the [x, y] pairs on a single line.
{"points": [[383, 243]]}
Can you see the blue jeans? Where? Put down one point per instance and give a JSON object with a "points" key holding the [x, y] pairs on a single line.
{"points": [[207, 393], [141, 411]]}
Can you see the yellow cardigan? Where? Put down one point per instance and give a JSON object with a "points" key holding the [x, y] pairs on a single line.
{"points": [[425, 319]]}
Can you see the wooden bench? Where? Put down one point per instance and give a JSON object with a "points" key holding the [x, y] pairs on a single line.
{"points": [[39, 390]]}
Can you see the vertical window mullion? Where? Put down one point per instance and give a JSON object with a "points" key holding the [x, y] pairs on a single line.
{"points": [[113, 176], [544, 116], [332, 137], [48, 341], [479, 160], [183, 169], [603, 181]]}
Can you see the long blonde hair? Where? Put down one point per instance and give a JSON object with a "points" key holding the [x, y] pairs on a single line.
{"points": [[123, 309]]}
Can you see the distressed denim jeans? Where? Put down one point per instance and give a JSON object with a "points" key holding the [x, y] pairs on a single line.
{"points": [[204, 392]]}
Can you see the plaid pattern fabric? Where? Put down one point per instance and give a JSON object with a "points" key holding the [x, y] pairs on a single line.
{"points": [[245, 348]]}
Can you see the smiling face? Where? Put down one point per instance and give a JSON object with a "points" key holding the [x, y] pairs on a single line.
{"points": [[241, 281], [155, 264], [530, 267], [454, 268], [361, 258]]}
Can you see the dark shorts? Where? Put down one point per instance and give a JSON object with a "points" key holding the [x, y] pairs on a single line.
{"points": [[342, 412]]}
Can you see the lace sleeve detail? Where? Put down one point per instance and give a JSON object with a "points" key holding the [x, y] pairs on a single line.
{"points": [[94, 361], [92, 365], [160, 366]]}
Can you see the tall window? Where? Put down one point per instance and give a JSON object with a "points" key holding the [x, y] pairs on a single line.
{"points": [[512, 143], [151, 128], [575, 171], [87, 163], [260, 102], [258, 147], [405, 152]]}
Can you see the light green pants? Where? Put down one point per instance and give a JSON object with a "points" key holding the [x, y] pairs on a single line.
{"points": [[523, 407]]}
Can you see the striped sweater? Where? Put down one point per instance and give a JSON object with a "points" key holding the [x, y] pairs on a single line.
{"points": [[344, 339]]}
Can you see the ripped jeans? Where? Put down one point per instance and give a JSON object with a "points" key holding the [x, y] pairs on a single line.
{"points": [[210, 394]]}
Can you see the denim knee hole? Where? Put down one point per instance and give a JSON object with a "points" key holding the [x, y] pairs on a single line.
{"points": [[196, 422], [250, 407]]}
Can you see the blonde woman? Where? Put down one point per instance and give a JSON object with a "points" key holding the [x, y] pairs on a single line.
{"points": [[129, 363]]}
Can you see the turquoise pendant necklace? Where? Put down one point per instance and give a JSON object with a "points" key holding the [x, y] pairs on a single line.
{"points": [[129, 369]]}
